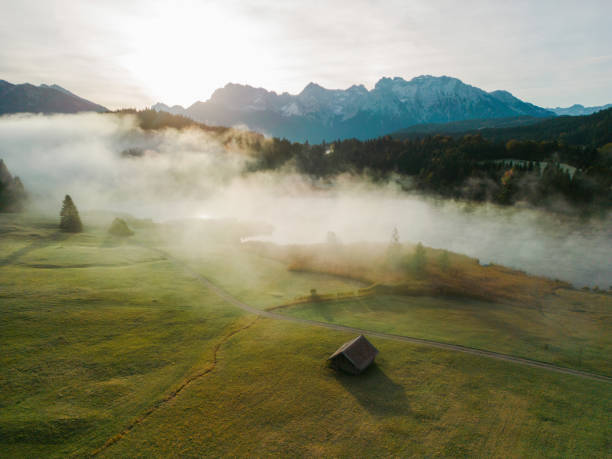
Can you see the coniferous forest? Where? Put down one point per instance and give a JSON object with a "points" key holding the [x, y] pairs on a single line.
{"points": [[559, 164], [567, 160]]}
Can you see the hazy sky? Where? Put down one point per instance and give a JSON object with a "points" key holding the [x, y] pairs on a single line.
{"points": [[134, 53]]}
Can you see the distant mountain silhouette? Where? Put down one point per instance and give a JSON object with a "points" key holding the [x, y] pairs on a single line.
{"points": [[578, 110], [20, 98], [318, 114], [593, 130], [460, 127]]}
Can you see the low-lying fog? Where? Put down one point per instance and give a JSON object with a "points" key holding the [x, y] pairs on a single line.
{"points": [[191, 174]]}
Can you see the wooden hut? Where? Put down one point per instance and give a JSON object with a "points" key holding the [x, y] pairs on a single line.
{"points": [[354, 357]]}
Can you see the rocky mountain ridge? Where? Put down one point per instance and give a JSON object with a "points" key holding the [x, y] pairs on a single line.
{"points": [[317, 113], [28, 98]]}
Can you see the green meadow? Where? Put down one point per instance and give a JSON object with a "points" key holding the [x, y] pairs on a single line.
{"points": [[260, 281], [570, 328], [114, 347], [272, 394]]}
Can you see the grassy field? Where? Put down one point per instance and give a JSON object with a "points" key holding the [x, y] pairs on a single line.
{"points": [[571, 328], [412, 269], [260, 281], [95, 330], [100, 334], [86, 349], [271, 394]]}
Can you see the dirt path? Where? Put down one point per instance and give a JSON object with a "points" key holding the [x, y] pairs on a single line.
{"points": [[111, 441], [39, 244], [272, 315], [451, 347], [89, 265]]}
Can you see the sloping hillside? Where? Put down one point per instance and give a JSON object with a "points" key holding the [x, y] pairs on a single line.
{"points": [[24, 98]]}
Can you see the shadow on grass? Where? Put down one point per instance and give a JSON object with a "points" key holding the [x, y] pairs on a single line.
{"points": [[112, 241], [375, 391], [16, 255], [323, 308], [54, 431]]}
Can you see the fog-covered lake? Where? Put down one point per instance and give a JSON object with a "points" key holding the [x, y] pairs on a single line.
{"points": [[189, 173], [537, 242]]}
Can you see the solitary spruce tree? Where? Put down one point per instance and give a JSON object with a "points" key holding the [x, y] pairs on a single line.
{"points": [[443, 261], [395, 242], [394, 249], [419, 259], [70, 221]]}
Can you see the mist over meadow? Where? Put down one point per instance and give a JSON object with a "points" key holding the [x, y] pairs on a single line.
{"points": [[105, 162]]}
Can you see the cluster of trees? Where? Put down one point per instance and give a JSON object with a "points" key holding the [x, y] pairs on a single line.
{"points": [[473, 166], [13, 197], [152, 119], [12, 192], [592, 130], [70, 221], [469, 167], [414, 263], [149, 120]]}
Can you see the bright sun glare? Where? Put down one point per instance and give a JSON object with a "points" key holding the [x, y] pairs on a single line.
{"points": [[182, 53]]}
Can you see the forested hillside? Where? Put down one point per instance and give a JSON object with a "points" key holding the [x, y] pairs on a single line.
{"points": [[591, 130], [555, 163], [27, 98]]}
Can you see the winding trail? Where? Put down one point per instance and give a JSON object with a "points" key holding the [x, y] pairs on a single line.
{"points": [[111, 441], [272, 315], [38, 244], [408, 339]]}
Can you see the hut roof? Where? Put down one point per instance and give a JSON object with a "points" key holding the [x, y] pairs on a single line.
{"points": [[359, 351]]}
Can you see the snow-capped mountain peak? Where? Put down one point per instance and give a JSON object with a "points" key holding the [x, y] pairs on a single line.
{"points": [[317, 113]]}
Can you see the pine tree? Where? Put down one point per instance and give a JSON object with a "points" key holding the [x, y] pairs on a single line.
{"points": [[394, 250], [395, 242], [419, 259], [70, 221], [443, 261], [332, 239]]}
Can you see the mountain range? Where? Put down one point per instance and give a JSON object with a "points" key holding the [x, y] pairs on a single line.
{"points": [[19, 98], [317, 113], [578, 110], [592, 130], [464, 126]]}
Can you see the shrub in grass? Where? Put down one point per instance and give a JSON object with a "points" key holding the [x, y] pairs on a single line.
{"points": [[120, 228]]}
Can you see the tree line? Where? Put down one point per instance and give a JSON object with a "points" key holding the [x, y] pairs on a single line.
{"points": [[469, 167], [473, 166], [13, 195]]}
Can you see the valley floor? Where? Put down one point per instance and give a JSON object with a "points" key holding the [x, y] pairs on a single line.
{"points": [[113, 348]]}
